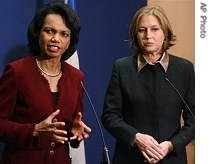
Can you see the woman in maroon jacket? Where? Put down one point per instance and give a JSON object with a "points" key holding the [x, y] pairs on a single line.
{"points": [[41, 98]]}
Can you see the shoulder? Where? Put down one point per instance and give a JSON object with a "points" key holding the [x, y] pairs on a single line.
{"points": [[179, 61], [179, 65], [126, 61], [21, 61], [24, 64], [20, 69], [125, 65], [72, 71]]}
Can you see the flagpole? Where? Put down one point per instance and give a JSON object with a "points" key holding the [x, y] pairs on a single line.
{"points": [[73, 4]]}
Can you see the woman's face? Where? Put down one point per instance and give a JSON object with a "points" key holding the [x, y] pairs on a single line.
{"points": [[54, 36], [150, 35]]}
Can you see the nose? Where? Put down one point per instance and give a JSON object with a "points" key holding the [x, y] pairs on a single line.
{"points": [[148, 34], [55, 38]]}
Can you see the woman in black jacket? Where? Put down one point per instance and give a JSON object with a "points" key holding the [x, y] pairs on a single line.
{"points": [[143, 103]]}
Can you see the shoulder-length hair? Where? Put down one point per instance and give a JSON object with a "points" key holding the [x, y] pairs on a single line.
{"points": [[159, 13], [69, 17]]}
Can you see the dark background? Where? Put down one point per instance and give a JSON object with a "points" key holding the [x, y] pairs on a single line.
{"points": [[104, 38]]}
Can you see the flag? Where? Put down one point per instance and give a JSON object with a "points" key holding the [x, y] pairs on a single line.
{"points": [[74, 60], [77, 155]]}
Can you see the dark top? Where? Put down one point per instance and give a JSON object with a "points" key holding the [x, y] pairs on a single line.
{"points": [[54, 96], [144, 102]]}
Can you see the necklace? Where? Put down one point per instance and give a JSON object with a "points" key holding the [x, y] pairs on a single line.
{"points": [[48, 74]]}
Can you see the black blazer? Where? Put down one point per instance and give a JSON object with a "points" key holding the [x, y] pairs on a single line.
{"points": [[145, 102]]}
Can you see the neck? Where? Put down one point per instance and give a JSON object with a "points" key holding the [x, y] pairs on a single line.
{"points": [[47, 73], [152, 58]]}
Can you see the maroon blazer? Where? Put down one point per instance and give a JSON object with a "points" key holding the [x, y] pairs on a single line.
{"points": [[26, 99]]}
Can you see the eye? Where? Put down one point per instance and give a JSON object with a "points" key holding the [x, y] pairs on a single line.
{"points": [[141, 30], [66, 35], [155, 29], [49, 31]]}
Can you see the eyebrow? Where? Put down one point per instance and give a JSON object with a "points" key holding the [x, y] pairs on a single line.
{"points": [[149, 26], [66, 30]]}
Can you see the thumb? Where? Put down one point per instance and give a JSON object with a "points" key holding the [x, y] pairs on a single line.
{"points": [[54, 114], [79, 116]]}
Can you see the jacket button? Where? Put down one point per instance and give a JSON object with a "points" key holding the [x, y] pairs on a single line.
{"points": [[54, 120], [52, 144], [52, 152]]}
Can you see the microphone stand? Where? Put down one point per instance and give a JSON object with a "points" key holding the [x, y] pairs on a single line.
{"points": [[105, 152], [180, 97]]}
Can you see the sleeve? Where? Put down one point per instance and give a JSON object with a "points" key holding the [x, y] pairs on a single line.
{"points": [[187, 132], [11, 132], [112, 116]]}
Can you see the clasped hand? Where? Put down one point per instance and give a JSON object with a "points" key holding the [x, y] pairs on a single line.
{"points": [[53, 130], [151, 149]]}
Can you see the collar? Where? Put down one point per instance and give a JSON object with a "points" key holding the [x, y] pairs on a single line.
{"points": [[141, 62]]}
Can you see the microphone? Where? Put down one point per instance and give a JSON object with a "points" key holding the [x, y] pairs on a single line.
{"points": [[105, 152], [180, 97]]}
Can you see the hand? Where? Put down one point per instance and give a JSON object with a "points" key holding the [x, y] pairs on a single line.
{"points": [[166, 147], [79, 129], [50, 129], [149, 147]]}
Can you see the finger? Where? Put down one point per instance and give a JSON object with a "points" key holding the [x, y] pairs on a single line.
{"points": [[158, 151], [154, 141], [60, 132], [154, 154], [85, 135], [54, 114], [80, 138], [152, 160], [55, 126], [60, 139], [155, 149], [87, 129], [59, 124], [73, 137], [79, 116], [146, 156]]}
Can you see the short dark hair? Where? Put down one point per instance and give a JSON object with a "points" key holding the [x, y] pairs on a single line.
{"points": [[70, 18]]}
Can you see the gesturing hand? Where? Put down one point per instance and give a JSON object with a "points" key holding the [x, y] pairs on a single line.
{"points": [[79, 130], [50, 129]]}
